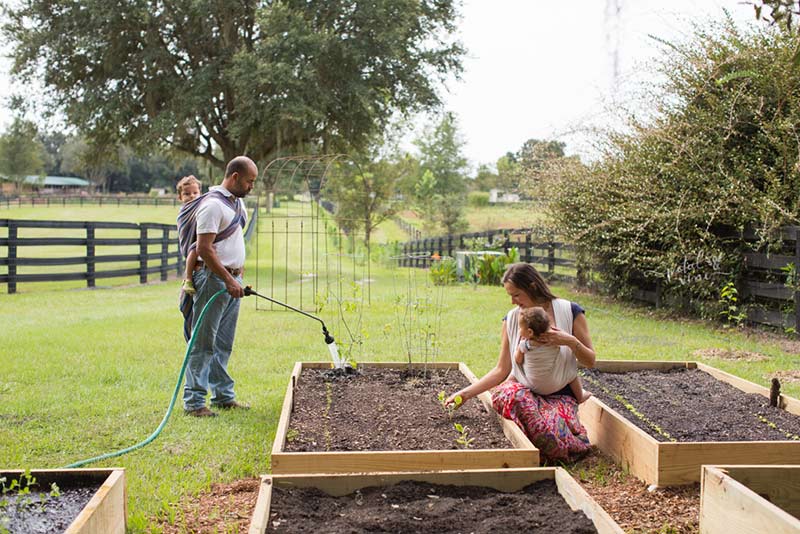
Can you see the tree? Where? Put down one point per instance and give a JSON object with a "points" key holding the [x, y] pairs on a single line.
{"points": [[95, 162], [366, 198], [245, 77], [670, 201], [21, 154], [441, 153]]}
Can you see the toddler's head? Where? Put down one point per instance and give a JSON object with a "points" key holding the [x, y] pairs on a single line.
{"points": [[188, 188], [533, 322]]}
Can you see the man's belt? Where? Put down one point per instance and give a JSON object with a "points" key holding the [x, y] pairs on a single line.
{"points": [[234, 272]]}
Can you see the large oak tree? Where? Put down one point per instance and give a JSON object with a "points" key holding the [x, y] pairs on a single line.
{"points": [[217, 78]]}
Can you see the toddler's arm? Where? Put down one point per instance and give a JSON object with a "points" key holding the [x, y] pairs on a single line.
{"points": [[519, 355]]}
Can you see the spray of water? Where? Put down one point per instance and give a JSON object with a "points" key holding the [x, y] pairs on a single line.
{"points": [[334, 350]]}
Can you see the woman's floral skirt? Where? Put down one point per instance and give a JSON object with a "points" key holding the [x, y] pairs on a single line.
{"points": [[550, 422]]}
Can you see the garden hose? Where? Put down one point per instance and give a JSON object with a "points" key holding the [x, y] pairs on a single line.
{"points": [[158, 430]]}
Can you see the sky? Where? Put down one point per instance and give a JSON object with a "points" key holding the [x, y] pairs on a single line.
{"points": [[547, 69]]}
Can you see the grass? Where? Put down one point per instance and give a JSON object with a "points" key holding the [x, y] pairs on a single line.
{"points": [[91, 371]]}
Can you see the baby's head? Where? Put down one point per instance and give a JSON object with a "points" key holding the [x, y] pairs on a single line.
{"points": [[188, 188], [534, 321]]}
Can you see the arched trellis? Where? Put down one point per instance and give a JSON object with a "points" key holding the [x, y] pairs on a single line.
{"points": [[303, 258]]}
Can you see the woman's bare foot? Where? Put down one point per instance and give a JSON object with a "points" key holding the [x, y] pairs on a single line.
{"points": [[585, 396]]}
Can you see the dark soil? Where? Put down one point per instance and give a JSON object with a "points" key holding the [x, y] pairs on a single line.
{"points": [[422, 507], [385, 409], [691, 405], [38, 512]]}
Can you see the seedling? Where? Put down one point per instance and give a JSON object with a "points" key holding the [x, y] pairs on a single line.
{"points": [[449, 409], [463, 439]]}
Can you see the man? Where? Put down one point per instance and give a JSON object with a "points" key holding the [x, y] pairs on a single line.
{"points": [[220, 265]]}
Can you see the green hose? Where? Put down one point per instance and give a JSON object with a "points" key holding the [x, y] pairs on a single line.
{"points": [[158, 430]]}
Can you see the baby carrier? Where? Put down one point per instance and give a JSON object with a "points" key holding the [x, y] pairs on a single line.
{"points": [[187, 241]]}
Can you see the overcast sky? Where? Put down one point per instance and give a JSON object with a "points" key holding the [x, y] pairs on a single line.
{"points": [[547, 68]]}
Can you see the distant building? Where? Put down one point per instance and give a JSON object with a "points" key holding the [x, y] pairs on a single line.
{"points": [[496, 196], [45, 184]]}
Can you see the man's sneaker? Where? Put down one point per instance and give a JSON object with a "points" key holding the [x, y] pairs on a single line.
{"points": [[201, 412]]}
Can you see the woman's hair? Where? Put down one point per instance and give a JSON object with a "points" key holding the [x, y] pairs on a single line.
{"points": [[536, 319], [528, 279], [185, 181]]}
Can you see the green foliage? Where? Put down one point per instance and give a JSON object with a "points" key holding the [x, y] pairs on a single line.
{"points": [[478, 199], [731, 312], [449, 409], [443, 271], [668, 203], [463, 438], [221, 79], [489, 268], [21, 153]]}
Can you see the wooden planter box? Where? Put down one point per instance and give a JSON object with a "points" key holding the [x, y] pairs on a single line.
{"points": [[750, 498], [106, 512], [671, 464], [523, 453], [506, 480]]}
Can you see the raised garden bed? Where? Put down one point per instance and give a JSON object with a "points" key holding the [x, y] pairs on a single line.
{"points": [[750, 498], [73, 501], [664, 420], [386, 420], [501, 500]]}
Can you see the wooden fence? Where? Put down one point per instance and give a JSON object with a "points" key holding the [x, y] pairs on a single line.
{"points": [[155, 246], [553, 258], [768, 285], [92, 200], [162, 237]]}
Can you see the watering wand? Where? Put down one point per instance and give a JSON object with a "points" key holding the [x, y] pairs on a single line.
{"points": [[328, 337]]}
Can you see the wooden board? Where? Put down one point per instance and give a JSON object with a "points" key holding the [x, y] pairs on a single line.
{"points": [[728, 505], [670, 463], [105, 513], [523, 453], [506, 480]]}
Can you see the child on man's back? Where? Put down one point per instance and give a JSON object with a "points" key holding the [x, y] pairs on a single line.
{"points": [[543, 365], [189, 189]]}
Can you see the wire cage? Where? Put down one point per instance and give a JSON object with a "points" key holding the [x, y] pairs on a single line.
{"points": [[304, 256]]}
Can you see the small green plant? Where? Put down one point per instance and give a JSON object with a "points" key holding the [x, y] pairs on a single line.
{"points": [[443, 271], [731, 312], [463, 438], [449, 409], [489, 268]]}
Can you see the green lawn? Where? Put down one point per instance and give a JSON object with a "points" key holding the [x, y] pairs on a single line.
{"points": [[91, 371]]}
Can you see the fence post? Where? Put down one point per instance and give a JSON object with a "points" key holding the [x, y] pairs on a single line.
{"points": [[142, 254], [164, 252], [551, 258], [796, 286], [12, 256], [90, 255], [527, 255]]}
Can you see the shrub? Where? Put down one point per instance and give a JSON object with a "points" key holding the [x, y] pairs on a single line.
{"points": [[672, 195], [478, 199], [443, 271]]}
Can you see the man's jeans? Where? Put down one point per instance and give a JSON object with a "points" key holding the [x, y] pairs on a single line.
{"points": [[213, 341]]}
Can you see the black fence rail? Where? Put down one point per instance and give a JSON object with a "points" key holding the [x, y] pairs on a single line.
{"points": [[152, 248], [48, 200], [769, 285], [553, 258], [162, 237]]}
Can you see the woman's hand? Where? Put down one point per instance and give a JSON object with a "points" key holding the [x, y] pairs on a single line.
{"points": [[456, 404], [556, 337]]}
